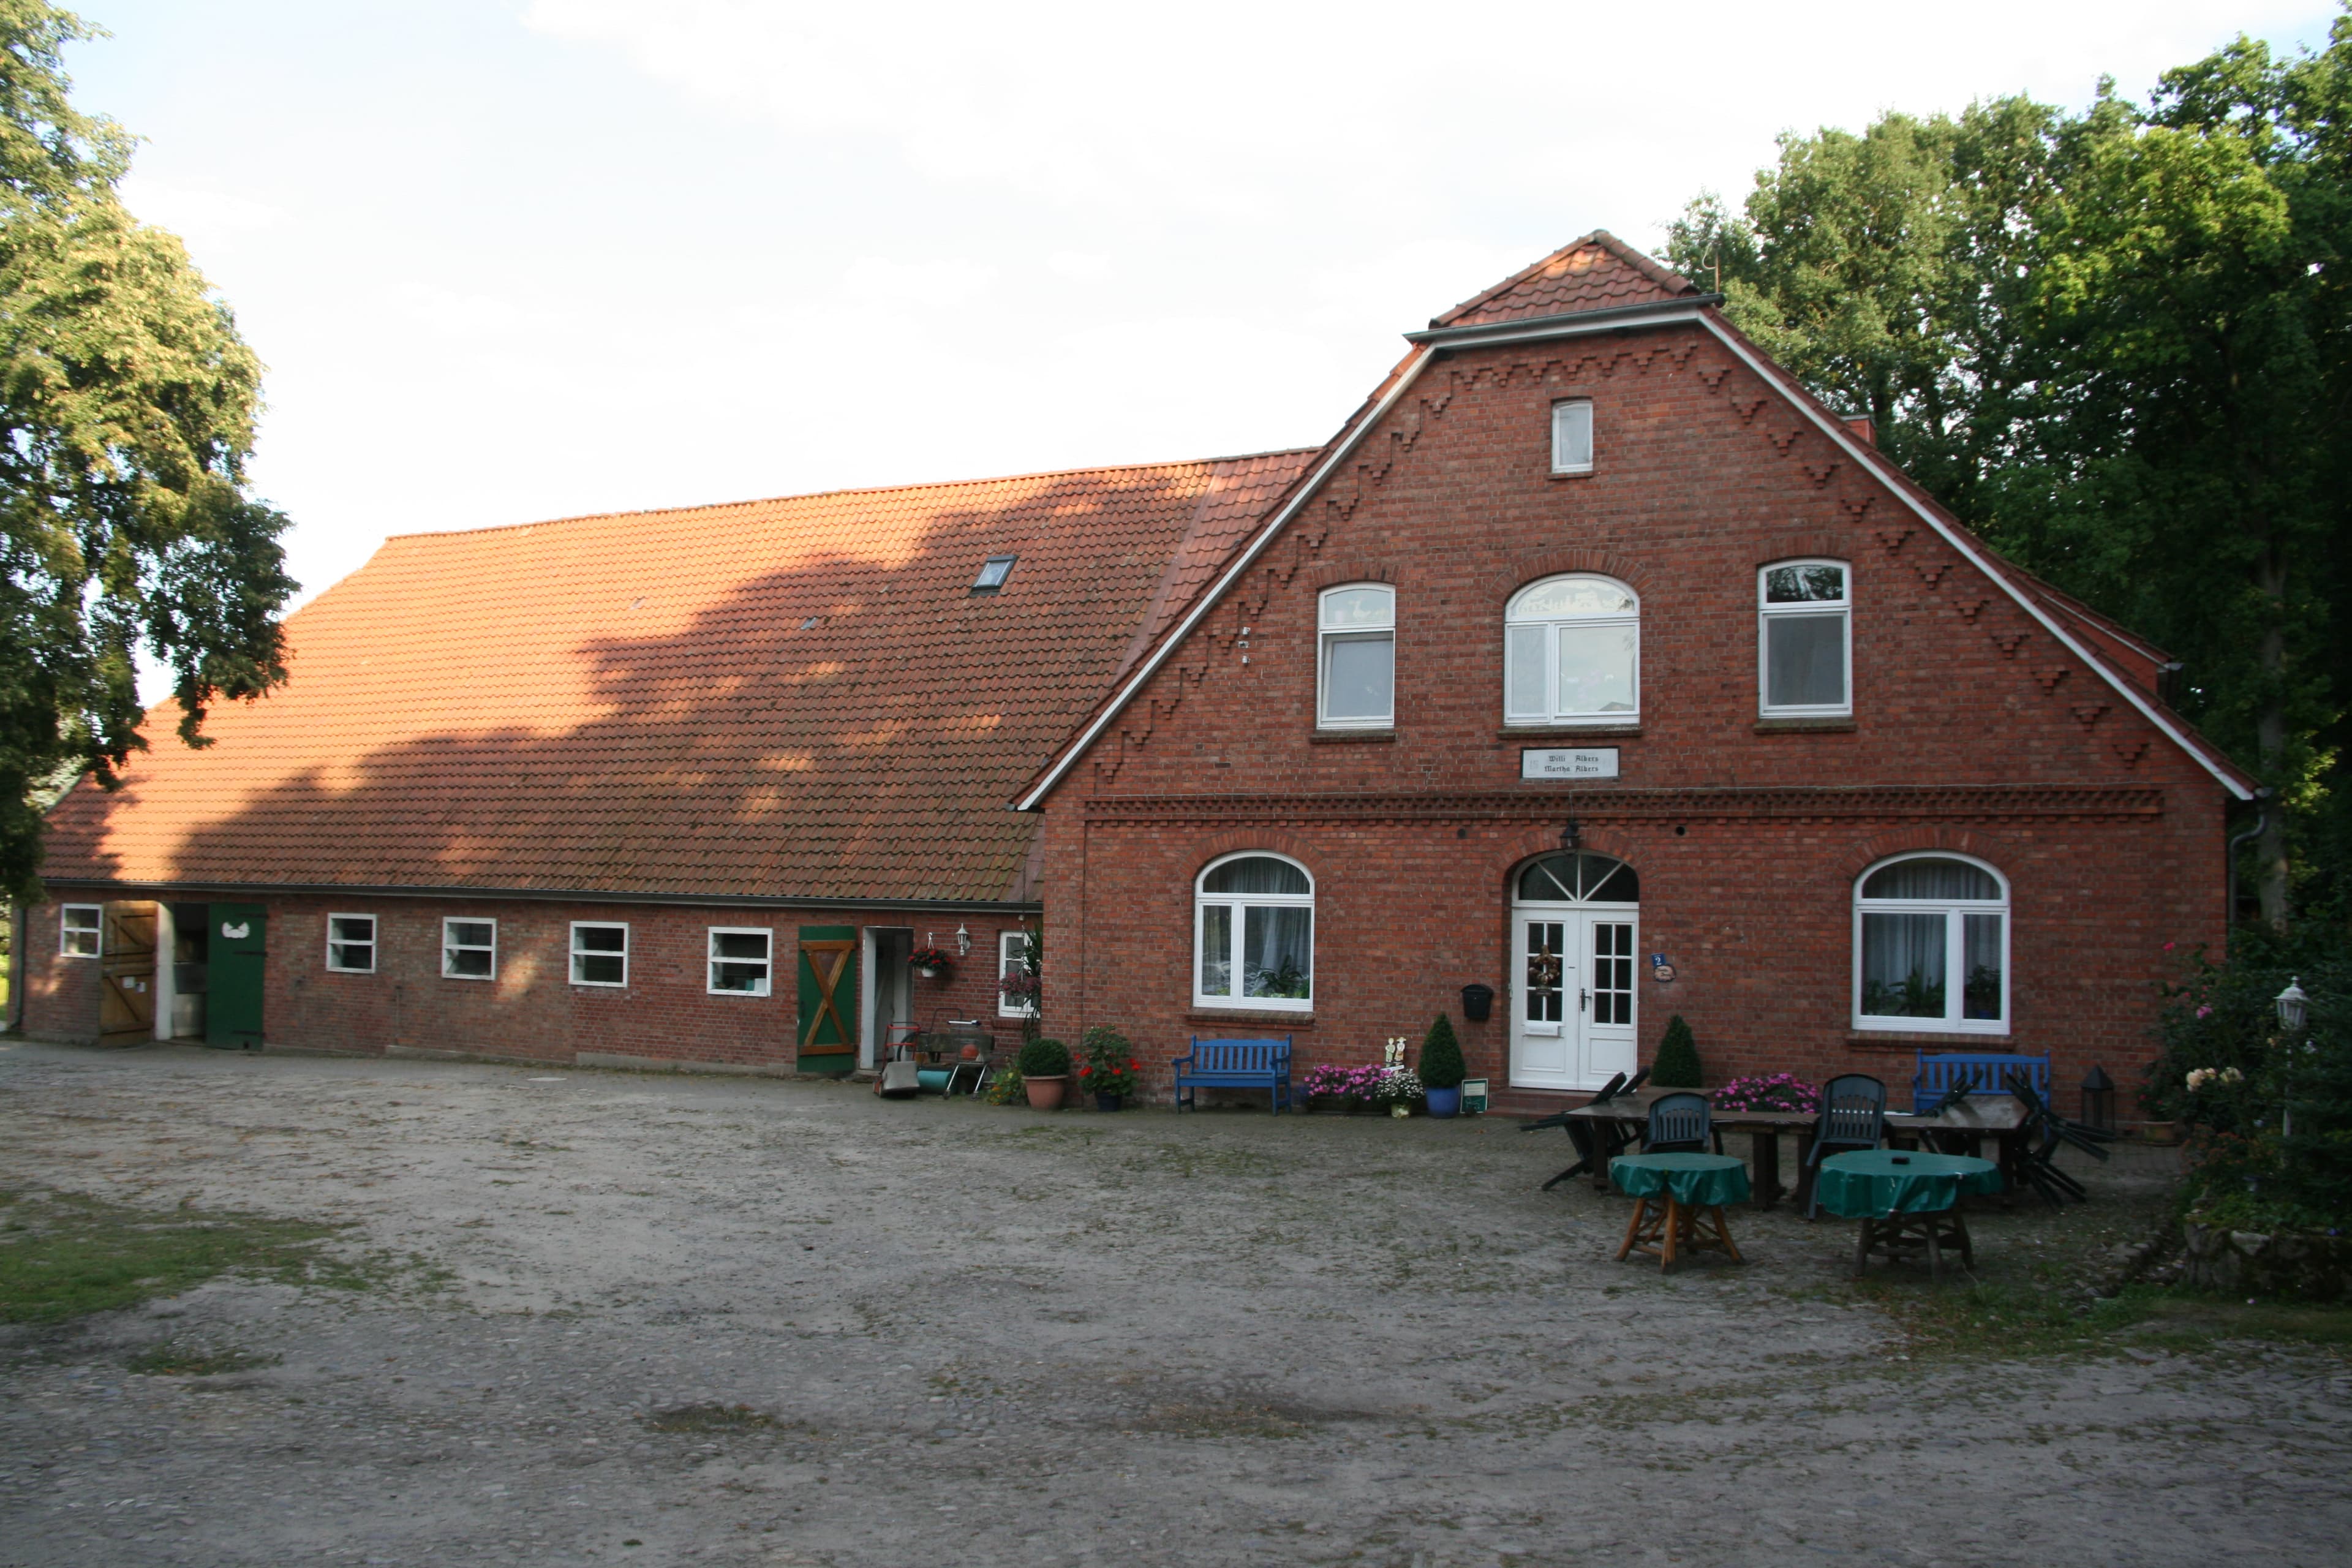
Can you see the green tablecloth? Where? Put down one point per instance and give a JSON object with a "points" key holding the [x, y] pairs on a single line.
{"points": [[1696, 1181], [1872, 1183]]}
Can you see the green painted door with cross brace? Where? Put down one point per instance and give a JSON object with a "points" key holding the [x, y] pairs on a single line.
{"points": [[828, 1013]]}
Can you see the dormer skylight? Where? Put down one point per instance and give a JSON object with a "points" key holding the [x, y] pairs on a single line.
{"points": [[992, 574]]}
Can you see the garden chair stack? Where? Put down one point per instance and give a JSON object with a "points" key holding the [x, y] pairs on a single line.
{"points": [[1596, 1142], [1854, 1116], [2044, 1134]]}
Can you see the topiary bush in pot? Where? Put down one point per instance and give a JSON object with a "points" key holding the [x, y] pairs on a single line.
{"points": [[1442, 1067], [1677, 1065], [1045, 1066]]}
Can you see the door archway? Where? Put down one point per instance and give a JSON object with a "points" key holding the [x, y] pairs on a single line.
{"points": [[1575, 920]]}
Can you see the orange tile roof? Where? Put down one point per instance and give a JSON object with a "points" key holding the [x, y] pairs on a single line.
{"points": [[794, 697], [1598, 272]]}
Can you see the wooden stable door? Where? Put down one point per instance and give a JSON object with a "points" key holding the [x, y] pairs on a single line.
{"points": [[828, 999], [126, 1002]]}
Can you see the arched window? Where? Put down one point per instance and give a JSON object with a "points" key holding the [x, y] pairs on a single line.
{"points": [[1254, 934], [1804, 639], [1931, 946], [1580, 878], [1355, 670], [1573, 652]]}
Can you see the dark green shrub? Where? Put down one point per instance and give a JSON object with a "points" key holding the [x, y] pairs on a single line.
{"points": [[1676, 1066], [1441, 1057], [1045, 1058]]}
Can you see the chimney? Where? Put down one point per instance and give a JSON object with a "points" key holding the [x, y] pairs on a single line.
{"points": [[1861, 425]]}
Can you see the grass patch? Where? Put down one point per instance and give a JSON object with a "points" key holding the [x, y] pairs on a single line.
{"points": [[1991, 1321], [64, 1255], [174, 1359], [710, 1418]]}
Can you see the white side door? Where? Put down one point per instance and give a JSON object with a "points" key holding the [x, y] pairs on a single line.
{"points": [[1604, 1007], [1546, 958]]}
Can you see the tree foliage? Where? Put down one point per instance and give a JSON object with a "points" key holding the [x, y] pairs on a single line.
{"points": [[2117, 343], [129, 400]]}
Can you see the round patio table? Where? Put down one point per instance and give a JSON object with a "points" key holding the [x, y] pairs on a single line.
{"points": [[1907, 1201], [1681, 1203]]}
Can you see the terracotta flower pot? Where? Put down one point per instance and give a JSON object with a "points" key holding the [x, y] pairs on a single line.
{"points": [[1045, 1094]]}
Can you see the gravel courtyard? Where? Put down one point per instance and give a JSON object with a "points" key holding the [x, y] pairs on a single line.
{"points": [[613, 1317]]}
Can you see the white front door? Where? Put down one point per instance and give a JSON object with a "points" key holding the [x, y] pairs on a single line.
{"points": [[1572, 1007]]}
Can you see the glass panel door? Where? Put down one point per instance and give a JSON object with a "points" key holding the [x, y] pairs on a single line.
{"points": [[1608, 1046], [1543, 1039]]}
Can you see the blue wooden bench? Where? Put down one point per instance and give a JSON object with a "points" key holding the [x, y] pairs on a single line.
{"points": [[1234, 1064], [1985, 1071]]}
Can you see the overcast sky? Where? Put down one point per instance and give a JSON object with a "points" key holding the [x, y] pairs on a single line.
{"points": [[512, 259]]}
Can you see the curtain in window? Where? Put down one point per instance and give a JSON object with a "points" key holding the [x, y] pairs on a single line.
{"points": [[1596, 669], [1359, 681], [1903, 964], [1807, 657], [1256, 874], [1931, 879], [1980, 991], [1217, 951], [1277, 952]]}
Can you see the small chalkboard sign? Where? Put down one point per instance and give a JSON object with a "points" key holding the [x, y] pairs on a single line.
{"points": [[1473, 1096]]}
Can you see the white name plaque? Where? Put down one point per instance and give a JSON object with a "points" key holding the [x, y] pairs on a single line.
{"points": [[1569, 762]]}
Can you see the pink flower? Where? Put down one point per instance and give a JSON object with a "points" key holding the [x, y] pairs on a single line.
{"points": [[2205, 1012], [2168, 947]]}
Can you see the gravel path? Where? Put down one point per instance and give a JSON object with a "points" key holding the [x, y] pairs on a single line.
{"points": [[751, 1322]]}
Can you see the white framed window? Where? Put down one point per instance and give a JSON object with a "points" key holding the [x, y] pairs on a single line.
{"points": [[470, 949], [743, 961], [1573, 652], [600, 953], [1254, 934], [1355, 680], [350, 944], [1804, 639], [1012, 958], [1931, 946], [79, 929], [1571, 436]]}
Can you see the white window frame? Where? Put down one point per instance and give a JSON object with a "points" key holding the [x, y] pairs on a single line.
{"points": [[95, 930], [1325, 636], [1241, 903], [1552, 718], [1564, 417], [712, 960], [1955, 950], [1010, 947], [1766, 613], [374, 940], [571, 965], [449, 945]]}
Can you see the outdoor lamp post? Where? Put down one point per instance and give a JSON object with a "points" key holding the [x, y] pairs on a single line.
{"points": [[2098, 1099], [2293, 1005]]}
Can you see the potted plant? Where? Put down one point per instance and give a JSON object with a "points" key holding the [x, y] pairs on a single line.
{"points": [[1676, 1063], [1046, 1073], [1022, 986], [1108, 1069], [1781, 1091], [1442, 1067], [930, 963], [1400, 1087]]}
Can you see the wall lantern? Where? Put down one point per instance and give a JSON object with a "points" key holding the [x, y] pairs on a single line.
{"points": [[1477, 1000], [2293, 1005], [963, 942], [1570, 835], [2098, 1099]]}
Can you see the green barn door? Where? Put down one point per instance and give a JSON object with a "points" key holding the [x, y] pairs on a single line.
{"points": [[233, 1004], [828, 972]]}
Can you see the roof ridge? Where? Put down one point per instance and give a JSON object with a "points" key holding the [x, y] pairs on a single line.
{"points": [[1664, 277], [850, 490]]}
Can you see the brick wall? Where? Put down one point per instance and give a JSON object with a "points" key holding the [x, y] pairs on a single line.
{"points": [[531, 1011], [1701, 477], [60, 993]]}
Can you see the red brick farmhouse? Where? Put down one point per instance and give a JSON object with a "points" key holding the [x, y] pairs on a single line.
{"points": [[1591, 662]]}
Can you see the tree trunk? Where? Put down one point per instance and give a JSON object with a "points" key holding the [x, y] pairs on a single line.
{"points": [[2270, 739]]}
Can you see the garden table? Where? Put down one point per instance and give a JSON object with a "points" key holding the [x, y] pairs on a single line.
{"points": [[1908, 1203], [1763, 1129], [1681, 1207]]}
